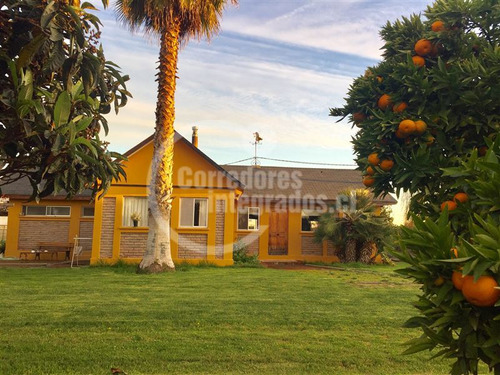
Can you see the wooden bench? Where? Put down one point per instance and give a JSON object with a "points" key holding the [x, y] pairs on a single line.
{"points": [[54, 248]]}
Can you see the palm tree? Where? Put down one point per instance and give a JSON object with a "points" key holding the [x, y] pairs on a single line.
{"points": [[175, 22], [357, 225]]}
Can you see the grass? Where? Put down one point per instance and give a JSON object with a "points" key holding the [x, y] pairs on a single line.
{"points": [[207, 320]]}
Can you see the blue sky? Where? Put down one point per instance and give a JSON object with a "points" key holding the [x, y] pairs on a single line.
{"points": [[276, 68]]}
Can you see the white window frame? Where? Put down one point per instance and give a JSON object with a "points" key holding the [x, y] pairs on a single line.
{"points": [[124, 225], [194, 207], [83, 211], [248, 219], [47, 208]]}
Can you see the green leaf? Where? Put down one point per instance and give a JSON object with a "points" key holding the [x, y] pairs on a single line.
{"points": [[28, 51], [62, 109]]}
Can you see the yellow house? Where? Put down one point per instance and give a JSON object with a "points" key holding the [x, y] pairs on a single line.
{"points": [[273, 211]]}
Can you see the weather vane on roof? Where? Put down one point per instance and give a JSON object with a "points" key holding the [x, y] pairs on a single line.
{"points": [[256, 142]]}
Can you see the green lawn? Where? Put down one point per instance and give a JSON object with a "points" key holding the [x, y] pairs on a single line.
{"points": [[207, 320]]}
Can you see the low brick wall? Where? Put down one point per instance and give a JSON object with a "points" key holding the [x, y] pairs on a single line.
{"points": [[310, 247], [133, 245], [331, 249], [33, 231], [108, 227], [192, 246]]}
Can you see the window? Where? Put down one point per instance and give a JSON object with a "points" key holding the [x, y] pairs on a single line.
{"points": [[310, 220], [194, 212], [88, 211], [248, 218], [46, 210], [136, 207]]}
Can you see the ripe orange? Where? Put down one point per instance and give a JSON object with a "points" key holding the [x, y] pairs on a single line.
{"points": [[386, 165], [439, 281], [418, 61], [368, 181], [483, 150], [423, 47], [407, 127], [454, 252], [482, 292], [373, 159], [358, 117], [420, 127], [380, 79], [384, 101], [398, 108], [461, 197], [430, 140], [450, 204], [458, 279], [370, 171], [437, 26]]}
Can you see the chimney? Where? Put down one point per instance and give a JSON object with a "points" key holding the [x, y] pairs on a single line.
{"points": [[194, 138]]}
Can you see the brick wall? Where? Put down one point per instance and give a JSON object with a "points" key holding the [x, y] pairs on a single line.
{"points": [[220, 209], [309, 247], [107, 229], [33, 231], [331, 249], [252, 242], [86, 230], [192, 246], [133, 245]]}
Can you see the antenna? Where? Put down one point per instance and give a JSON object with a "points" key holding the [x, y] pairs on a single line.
{"points": [[256, 142]]}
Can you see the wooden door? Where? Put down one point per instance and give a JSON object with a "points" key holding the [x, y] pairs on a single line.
{"points": [[278, 233]]}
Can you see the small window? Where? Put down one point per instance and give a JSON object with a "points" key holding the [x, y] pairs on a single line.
{"points": [[135, 208], [87, 211], [194, 212], [310, 220], [46, 210], [248, 218]]}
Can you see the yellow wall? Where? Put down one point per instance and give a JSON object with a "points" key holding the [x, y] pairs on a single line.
{"points": [[15, 218], [187, 183]]}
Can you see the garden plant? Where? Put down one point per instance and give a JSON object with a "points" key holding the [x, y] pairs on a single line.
{"points": [[429, 118]]}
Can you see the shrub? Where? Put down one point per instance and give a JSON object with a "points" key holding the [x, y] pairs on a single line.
{"points": [[242, 257]]}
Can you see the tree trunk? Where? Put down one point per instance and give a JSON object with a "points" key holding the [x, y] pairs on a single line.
{"points": [[158, 256], [350, 251], [365, 254]]}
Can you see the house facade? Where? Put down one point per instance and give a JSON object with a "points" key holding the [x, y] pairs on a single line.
{"points": [[273, 211]]}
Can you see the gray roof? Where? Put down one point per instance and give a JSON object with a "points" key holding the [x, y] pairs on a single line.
{"points": [[21, 189], [324, 184]]}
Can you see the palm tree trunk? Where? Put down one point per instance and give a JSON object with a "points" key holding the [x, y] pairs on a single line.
{"points": [[350, 250], [158, 256], [365, 254]]}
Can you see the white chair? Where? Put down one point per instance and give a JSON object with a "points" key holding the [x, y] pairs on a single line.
{"points": [[77, 249]]}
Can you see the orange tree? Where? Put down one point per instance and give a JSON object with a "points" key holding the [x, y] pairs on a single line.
{"points": [[428, 118]]}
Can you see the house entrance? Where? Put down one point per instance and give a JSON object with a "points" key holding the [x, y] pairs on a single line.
{"points": [[278, 233]]}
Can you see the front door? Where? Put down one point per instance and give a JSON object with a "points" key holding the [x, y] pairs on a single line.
{"points": [[278, 233]]}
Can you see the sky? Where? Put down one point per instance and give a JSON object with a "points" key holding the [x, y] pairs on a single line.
{"points": [[276, 68]]}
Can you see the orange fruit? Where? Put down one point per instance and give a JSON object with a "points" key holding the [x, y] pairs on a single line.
{"points": [[368, 181], [420, 127], [454, 252], [380, 79], [482, 292], [423, 47], [483, 150], [461, 197], [430, 140], [437, 26], [407, 127], [450, 204], [386, 165], [384, 101], [398, 108], [458, 279], [358, 117], [373, 159], [439, 281], [370, 171], [418, 61]]}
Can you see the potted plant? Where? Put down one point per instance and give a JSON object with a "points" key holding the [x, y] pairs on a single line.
{"points": [[135, 218]]}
